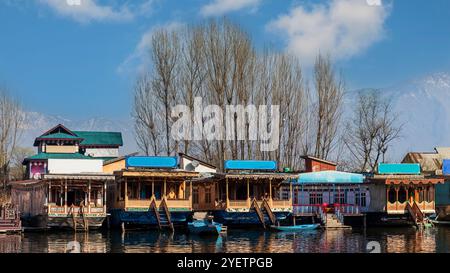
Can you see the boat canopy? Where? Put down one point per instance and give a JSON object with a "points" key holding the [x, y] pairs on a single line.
{"points": [[330, 177]]}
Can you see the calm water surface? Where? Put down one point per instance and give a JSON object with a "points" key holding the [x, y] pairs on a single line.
{"points": [[392, 240]]}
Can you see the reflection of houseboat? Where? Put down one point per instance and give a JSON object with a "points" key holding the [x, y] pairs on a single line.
{"points": [[336, 199], [401, 194], [249, 193], [67, 186], [155, 191], [436, 163]]}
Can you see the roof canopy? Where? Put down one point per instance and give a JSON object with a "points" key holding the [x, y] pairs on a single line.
{"points": [[251, 165], [86, 138], [152, 162], [403, 168], [330, 177]]}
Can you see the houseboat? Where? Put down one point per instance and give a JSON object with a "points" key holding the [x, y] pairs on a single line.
{"points": [[401, 195], [155, 191], [436, 163], [248, 193], [66, 186], [322, 194]]}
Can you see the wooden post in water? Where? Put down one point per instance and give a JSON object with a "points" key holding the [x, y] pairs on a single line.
{"points": [[227, 196]]}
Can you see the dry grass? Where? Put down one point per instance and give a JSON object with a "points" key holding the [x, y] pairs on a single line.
{"points": [[5, 196]]}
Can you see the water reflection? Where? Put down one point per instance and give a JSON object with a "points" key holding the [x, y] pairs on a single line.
{"points": [[404, 240]]}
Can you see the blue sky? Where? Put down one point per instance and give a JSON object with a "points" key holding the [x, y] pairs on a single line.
{"points": [[81, 61]]}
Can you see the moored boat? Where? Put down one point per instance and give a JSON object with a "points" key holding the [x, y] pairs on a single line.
{"points": [[205, 227], [295, 228]]}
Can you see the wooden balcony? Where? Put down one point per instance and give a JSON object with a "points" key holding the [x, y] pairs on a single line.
{"points": [[400, 208], [245, 204], [63, 211], [171, 203]]}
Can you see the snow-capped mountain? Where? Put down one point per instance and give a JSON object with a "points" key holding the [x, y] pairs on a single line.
{"points": [[423, 106], [37, 123]]}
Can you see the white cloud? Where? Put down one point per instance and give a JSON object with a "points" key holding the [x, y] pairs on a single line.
{"points": [[219, 7], [342, 28], [91, 10], [139, 60]]}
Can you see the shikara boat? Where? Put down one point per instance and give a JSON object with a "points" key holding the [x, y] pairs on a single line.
{"points": [[204, 227], [295, 228]]}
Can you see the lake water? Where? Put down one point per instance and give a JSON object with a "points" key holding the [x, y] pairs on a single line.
{"points": [[389, 240]]}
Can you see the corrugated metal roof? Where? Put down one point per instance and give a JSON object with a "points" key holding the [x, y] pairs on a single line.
{"points": [[100, 138], [330, 177], [45, 156]]}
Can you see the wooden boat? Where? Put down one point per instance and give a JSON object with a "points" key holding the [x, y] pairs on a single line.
{"points": [[205, 227], [440, 223], [295, 228]]}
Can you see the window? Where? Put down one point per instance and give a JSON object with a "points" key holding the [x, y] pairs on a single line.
{"points": [[208, 195], [195, 195], [361, 199], [340, 197], [315, 198]]}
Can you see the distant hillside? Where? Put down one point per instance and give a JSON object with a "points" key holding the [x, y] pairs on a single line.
{"points": [[424, 108]]}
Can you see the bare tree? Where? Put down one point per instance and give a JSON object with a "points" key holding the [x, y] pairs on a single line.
{"points": [[165, 52], [329, 92], [371, 131], [18, 171], [146, 119], [11, 122]]}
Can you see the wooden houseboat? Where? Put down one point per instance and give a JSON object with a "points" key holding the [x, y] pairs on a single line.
{"points": [[249, 193], [66, 186], [401, 194], [9, 218], [155, 191], [322, 194], [437, 164]]}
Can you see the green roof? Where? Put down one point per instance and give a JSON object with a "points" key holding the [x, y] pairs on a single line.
{"points": [[59, 136], [45, 156], [100, 138]]}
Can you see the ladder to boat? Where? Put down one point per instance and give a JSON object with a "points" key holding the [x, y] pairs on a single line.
{"points": [[162, 214], [259, 212], [416, 214], [84, 224]]}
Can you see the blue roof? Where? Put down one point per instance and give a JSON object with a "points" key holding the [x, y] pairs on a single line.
{"points": [[330, 177], [152, 162], [403, 168], [251, 165]]}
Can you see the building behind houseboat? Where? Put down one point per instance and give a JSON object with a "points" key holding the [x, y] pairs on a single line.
{"points": [[66, 185]]}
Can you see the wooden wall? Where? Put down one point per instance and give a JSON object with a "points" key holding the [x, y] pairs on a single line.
{"points": [[30, 200]]}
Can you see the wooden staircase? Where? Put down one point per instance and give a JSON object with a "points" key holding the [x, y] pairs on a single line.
{"points": [[268, 211], [416, 214], [81, 221], [162, 215], [255, 206], [264, 212]]}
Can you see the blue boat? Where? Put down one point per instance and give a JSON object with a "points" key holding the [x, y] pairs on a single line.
{"points": [[295, 228], [205, 227]]}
